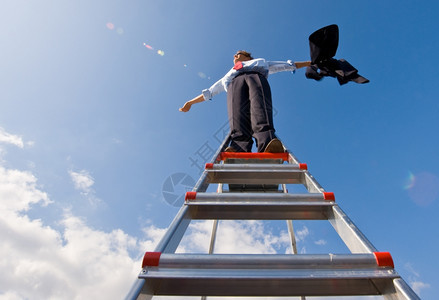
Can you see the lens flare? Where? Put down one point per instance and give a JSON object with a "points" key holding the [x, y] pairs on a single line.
{"points": [[162, 53], [110, 25], [148, 46], [423, 189], [410, 181]]}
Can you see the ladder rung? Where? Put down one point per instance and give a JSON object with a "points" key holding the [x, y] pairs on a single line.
{"points": [[259, 176], [256, 167], [268, 275], [253, 198], [376, 260], [300, 210]]}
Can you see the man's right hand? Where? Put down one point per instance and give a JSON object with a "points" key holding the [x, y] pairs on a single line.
{"points": [[186, 107]]}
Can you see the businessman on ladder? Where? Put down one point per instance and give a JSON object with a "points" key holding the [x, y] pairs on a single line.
{"points": [[249, 101]]}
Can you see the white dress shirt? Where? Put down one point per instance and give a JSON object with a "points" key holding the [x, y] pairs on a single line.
{"points": [[259, 65]]}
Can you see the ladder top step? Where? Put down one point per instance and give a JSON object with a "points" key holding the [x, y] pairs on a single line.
{"points": [[256, 167], [249, 155]]}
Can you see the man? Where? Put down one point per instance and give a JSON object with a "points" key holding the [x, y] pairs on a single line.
{"points": [[249, 102]]}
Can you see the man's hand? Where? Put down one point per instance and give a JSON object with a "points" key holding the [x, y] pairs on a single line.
{"points": [[301, 64], [186, 107]]}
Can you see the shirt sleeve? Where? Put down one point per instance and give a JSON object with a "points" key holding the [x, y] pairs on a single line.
{"points": [[219, 86], [281, 66], [215, 89]]}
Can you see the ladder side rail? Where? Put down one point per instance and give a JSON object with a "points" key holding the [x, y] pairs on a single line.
{"points": [[354, 239], [310, 182], [175, 232], [292, 159], [293, 238], [291, 232], [290, 226], [136, 289], [170, 241], [403, 291], [213, 236], [202, 184], [222, 147], [214, 231], [215, 226]]}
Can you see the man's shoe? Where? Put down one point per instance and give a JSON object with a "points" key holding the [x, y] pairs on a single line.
{"points": [[230, 149], [275, 146]]}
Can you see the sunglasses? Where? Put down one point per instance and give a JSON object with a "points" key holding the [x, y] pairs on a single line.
{"points": [[239, 53]]}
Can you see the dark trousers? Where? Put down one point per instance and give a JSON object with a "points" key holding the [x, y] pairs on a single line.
{"points": [[250, 112]]}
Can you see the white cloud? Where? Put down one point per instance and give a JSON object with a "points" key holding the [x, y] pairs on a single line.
{"points": [[234, 237], [320, 242], [74, 262], [18, 191], [417, 286], [82, 180], [78, 263], [30, 143], [248, 237], [10, 138], [302, 234], [414, 279], [153, 236]]}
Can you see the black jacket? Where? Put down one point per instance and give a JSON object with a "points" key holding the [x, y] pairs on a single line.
{"points": [[323, 45]]}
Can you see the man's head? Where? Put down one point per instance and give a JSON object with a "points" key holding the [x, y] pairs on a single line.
{"points": [[242, 55]]}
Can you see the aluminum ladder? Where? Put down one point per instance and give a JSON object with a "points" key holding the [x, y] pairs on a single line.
{"points": [[253, 180]]}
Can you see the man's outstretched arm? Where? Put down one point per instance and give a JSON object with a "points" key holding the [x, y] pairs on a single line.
{"points": [[187, 106]]}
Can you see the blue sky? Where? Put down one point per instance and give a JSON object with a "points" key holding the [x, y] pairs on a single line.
{"points": [[90, 130]]}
